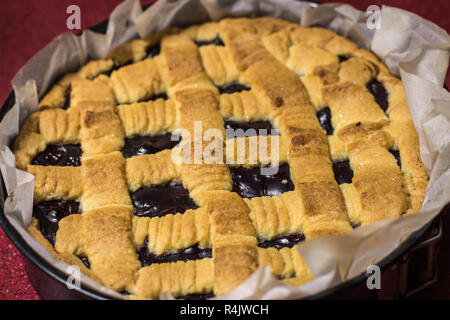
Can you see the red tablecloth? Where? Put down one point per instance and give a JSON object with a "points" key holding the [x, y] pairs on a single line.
{"points": [[26, 26]]}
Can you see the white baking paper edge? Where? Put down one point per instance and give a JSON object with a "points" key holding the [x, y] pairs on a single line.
{"points": [[413, 48]]}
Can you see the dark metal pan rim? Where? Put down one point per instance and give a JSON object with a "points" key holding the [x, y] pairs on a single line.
{"points": [[55, 274]]}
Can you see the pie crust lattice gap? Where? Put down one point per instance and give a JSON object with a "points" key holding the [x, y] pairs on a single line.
{"points": [[343, 128]]}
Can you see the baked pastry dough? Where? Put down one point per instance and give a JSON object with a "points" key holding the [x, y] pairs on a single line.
{"points": [[143, 224]]}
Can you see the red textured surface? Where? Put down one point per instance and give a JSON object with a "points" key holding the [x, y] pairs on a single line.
{"points": [[26, 26]]}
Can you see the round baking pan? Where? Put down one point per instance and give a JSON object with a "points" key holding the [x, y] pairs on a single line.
{"points": [[50, 283]]}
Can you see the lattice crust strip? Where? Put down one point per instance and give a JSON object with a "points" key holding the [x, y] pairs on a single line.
{"points": [[149, 118], [173, 233], [291, 76], [197, 276]]}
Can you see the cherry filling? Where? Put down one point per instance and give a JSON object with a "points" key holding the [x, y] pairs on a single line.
{"points": [[49, 213], [217, 41], [153, 51], [85, 261], [232, 88], [155, 97], [115, 67], [192, 253], [343, 173], [249, 182], [265, 127], [280, 242], [356, 225], [162, 199], [196, 296], [139, 145], [146, 257], [59, 155], [343, 58], [396, 154], [380, 94], [67, 98], [324, 116]]}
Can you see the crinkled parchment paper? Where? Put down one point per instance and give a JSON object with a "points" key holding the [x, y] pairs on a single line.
{"points": [[413, 48]]}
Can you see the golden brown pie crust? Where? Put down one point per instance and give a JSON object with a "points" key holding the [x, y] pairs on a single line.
{"points": [[293, 72]]}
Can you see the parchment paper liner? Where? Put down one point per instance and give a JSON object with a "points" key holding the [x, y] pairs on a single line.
{"points": [[413, 48]]}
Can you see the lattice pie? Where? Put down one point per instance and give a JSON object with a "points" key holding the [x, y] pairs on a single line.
{"points": [[110, 199]]}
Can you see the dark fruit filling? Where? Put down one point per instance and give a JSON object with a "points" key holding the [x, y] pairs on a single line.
{"points": [[232, 88], [343, 173], [162, 199], [249, 182], [192, 253], [217, 41], [49, 213], [280, 242], [153, 51], [396, 154], [324, 116], [59, 155], [139, 145], [260, 128], [380, 94]]}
